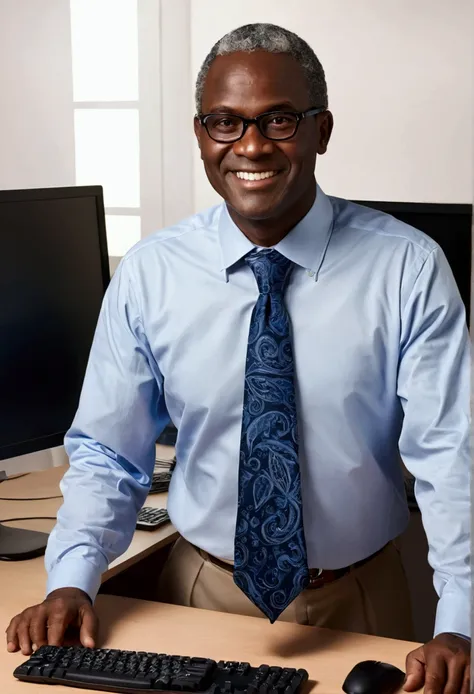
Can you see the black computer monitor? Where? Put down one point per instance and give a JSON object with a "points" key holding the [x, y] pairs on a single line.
{"points": [[53, 274], [450, 225]]}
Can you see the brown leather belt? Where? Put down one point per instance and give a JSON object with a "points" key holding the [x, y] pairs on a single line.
{"points": [[317, 577]]}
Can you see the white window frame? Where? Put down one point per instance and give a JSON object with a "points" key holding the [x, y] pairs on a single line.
{"points": [[165, 115]]}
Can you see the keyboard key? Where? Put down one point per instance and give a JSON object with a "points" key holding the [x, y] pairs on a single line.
{"points": [[48, 670], [106, 679], [186, 684], [162, 682]]}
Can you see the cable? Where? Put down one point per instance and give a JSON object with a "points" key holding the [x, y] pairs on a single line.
{"points": [[15, 477], [10, 520], [24, 498]]}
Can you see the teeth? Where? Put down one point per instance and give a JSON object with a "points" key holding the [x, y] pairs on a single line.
{"points": [[245, 176]]}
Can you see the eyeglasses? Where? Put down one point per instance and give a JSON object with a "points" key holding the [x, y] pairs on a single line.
{"points": [[274, 125]]}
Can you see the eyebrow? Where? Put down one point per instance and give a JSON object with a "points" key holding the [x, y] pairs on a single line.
{"points": [[282, 106]]}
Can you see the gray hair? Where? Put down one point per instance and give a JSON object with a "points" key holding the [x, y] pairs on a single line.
{"points": [[272, 39]]}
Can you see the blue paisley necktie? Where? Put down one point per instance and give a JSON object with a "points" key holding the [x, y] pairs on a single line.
{"points": [[270, 563]]}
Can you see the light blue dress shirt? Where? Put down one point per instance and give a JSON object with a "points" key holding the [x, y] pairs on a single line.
{"points": [[382, 361]]}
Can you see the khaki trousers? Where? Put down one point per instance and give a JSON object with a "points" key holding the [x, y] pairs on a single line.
{"points": [[372, 599]]}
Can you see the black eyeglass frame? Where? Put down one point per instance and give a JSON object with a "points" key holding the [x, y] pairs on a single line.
{"points": [[250, 121]]}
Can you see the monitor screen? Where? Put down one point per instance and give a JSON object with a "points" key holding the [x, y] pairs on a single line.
{"points": [[449, 225], [53, 275]]}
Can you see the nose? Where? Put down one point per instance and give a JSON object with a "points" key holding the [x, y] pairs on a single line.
{"points": [[253, 145]]}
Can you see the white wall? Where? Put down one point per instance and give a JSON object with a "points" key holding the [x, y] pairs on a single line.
{"points": [[36, 116], [400, 80]]}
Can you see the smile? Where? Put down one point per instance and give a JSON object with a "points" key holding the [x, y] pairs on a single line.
{"points": [[259, 176]]}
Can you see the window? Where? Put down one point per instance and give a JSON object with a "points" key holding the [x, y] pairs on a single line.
{"points": [[105, 60], [133, 113], [107, 152]]}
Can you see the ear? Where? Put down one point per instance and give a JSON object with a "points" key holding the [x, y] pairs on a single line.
{"points": [[197, 130], [325, 130]]}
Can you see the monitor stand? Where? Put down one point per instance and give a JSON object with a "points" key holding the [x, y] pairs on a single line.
{"points": [[18, 543]]}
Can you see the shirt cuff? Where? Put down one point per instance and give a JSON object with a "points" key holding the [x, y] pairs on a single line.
{"points": [[461, 636], [74, 572], [453, 615]]}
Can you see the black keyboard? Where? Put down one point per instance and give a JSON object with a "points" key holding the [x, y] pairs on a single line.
{"points": [[160, 482], [113, 670], [150, 518]]}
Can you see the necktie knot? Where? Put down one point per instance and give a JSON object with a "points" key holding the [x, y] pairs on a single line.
{"points": [[271, 269]]}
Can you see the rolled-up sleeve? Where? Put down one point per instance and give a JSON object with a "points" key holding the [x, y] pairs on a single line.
{"points": [[434, 389], [111, 444]]}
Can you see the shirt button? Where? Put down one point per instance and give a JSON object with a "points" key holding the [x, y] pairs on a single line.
{"points": [[310, 273]]}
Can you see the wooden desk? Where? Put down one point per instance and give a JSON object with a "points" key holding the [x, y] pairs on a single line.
{"points": [[139, 625], [29, 577]]}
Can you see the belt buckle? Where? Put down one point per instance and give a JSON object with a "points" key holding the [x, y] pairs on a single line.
{"points": [[313, 580]]}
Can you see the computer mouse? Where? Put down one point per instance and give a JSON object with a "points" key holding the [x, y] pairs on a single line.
{"points": [[373, 677]]}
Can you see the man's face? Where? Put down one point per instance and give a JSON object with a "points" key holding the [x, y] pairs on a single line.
{"points": [[248, 84]]}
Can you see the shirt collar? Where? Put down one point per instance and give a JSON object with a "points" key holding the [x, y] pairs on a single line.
{"points": [[305, 244]]}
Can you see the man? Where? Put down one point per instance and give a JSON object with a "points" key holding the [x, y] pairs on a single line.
{"points": [[298, 342]]}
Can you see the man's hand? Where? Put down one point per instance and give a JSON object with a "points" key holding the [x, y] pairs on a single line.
{"points": [[442, 665], [46, 623]]}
